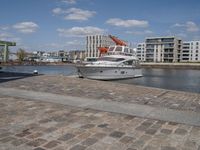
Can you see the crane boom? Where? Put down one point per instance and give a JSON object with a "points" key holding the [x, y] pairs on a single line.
{"points": [[117, 41]]}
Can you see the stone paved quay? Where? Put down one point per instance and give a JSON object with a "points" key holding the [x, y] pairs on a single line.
{"points": [[110, 91], [26, 124]]}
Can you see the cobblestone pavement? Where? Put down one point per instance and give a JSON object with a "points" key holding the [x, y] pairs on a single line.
{"points": [[110, 91], [27, 125]]}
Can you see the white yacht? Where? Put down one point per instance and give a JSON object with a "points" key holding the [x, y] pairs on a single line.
{"points": [[120, 62]]}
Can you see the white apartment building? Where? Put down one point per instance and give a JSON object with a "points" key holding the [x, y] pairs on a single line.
{"points": [[163, 49], [190, 51], [95, 41], [141, 52]]}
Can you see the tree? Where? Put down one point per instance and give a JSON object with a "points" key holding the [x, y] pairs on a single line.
{"points": [[21, 54]]}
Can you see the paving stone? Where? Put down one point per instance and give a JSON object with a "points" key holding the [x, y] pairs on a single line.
{"points": [[160, 122], [23, 133], [109, 140], [7, 139], [37, 142], [103, 125], [129, 117], [149, 147], [117, 146], [89, 141], [190, 144], [84, 135], [51, 129], [66, 137], [156, 126], [18, 142], [168, 148], [78, 147], [166, 131], [141, 128], [138, 144], [150, 131], [99, 135], [199, 147], [73, 141], [87, 126], [116, 134], [51, 144], [146, 124], [34, 135], [45, 120], [127, 139], [172, 123], [180, 131], [60, 148], [3, 135], [131, 149], [38, 148]]}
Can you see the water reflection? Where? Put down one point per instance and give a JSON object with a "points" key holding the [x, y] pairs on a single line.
{"points": [[175, 79]]}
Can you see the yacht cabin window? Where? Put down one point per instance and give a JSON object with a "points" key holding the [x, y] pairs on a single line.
{"points": [[111, 48], [119, 49], [129, 62], [126, 50]]}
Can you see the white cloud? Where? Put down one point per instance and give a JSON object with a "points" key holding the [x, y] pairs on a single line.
{"points": [[80, 31], [127, 23], [182, 35], [9, 37], [178, 25], [74, 13], [79, 14], [5, 36], [69, 1], [4, 28], [57, 11], [74, 42], [189, 26], [26, 27], [140, 32]]}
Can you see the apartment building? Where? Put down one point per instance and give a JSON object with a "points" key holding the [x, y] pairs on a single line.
{"points": [[191, 51], [95, 41], [141, 52], [163, 49]]}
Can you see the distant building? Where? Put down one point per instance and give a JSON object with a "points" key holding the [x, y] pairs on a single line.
{"points": [[141, 51], [163, 49], [13, 57], [190, 51], [38, 53], [95, 41], [77, 55]]}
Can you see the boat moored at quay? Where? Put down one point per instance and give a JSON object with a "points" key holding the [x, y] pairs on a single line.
{"points": [[120, 62]]}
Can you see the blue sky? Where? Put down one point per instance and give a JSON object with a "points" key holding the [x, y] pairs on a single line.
{"points": [[63, 24]]}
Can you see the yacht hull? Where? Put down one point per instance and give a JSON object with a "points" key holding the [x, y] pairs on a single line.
{"points": [[108, 73]]}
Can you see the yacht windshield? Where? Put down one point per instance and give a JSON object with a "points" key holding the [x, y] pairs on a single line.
{"points": [[110, 59], [119, 49], [111, 48]]}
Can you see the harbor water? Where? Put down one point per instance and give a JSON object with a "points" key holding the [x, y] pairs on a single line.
{"points": [[173, 79]]}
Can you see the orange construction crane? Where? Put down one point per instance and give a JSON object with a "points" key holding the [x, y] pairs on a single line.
{"points": [[117, 41], [103, 50]]}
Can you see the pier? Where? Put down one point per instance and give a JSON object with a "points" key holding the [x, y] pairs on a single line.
{"points": [[58, 112]]}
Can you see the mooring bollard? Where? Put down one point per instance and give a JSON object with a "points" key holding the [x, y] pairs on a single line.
{"points": [[35, 72]]}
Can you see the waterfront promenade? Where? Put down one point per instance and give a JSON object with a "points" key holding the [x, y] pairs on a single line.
{"points": [[59, 112]]}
